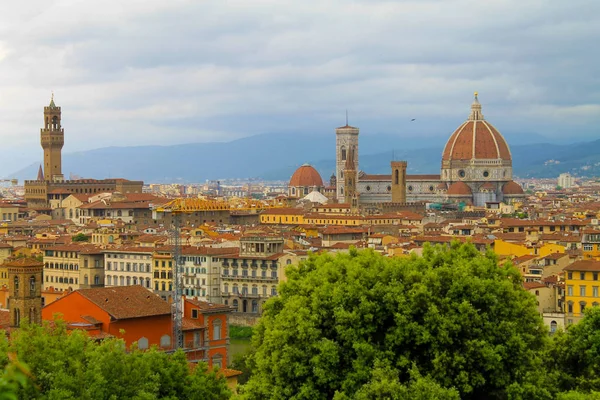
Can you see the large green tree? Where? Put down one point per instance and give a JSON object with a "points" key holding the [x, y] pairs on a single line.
{"points": [[452, 317], [70, 365], [574, 358]]}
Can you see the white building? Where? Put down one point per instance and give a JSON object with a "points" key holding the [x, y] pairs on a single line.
{"points": [[566, 181]]}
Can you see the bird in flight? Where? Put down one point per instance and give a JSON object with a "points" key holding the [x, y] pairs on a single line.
{"points": [[412, 119]]}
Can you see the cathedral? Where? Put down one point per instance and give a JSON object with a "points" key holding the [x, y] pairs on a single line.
{"points": [[476, 169]]}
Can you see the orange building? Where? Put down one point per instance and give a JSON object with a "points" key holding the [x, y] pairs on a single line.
{"points": [[135, 314]]}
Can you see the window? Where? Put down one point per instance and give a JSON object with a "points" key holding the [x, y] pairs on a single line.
{"points": [[570, 275], [582, 306], [569, 290], [109, 280], [143, 343], [194, 313], [254, 306], [582, 291], [217, 329], [553, 326], [588, 247], [595, 276], [582, 276], [96, 280], [217, 361], [32, 286], [570, 307], [16, 285], [165, 341]]}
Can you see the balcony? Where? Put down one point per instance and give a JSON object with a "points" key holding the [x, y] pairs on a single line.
{"points": [[249, 278]]}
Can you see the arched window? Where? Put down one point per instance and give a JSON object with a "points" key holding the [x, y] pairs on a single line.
{"points": [[217, 329], [16, 285], [396, 177], [288, 262], [254, 306], [165, 341], [109, 280], [85, 279], [143, 343], [148, 283], [343, 153], [32, 286], [128, 281], [122, 281], [217, 361], [553, 326], [235, 304], [96, 280], [32, 317], [17, 317], [71, 281]]}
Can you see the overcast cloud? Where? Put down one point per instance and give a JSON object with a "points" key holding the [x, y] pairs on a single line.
{"points": [[172, 71]]}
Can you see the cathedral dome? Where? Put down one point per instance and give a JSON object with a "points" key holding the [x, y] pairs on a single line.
{"points": [[459, 189], [512, 188], [306, 176], [476, 139]]}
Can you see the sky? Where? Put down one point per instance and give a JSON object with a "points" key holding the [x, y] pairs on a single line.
{"points": [[146, 72]]}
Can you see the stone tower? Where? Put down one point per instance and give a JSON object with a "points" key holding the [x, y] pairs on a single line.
{"points": [[346, 137], [25, 293], [53, 139], [350, 178], [398, 181]]}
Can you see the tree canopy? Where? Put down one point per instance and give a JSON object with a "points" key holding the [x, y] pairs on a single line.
{"points": [[70, 365], [451, 321]]}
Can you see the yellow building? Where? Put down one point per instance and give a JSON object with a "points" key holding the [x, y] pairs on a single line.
{"points": [[582, 288], [5, 252], [503, 248], [162, 260], [9, 212]]}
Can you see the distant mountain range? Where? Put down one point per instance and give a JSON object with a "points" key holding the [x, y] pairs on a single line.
{"points": [[276, 156]]}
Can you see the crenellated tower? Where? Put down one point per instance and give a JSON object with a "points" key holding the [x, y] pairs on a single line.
{"points": [[52, 139]]}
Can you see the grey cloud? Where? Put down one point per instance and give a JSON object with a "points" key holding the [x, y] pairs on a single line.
{"points": [[180, 71]]}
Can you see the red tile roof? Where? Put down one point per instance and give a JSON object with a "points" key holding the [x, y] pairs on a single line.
{"points": [[124, 302], [584, 265]]}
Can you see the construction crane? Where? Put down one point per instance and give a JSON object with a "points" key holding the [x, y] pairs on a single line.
{"points": [[177, 208]]}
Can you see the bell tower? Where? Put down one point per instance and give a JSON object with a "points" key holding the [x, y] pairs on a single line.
{"points": [[346, 138], [25, 294], [350, 181], [53, 139], [398, 181]]}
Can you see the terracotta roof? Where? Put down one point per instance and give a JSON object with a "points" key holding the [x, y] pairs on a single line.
{"points": [[512, 188], [476, 140], [206, 307], [584, 265], [372, 177], [306, 176], [23, 262], [556, 256], [422, 177], [533, 285], [123, 302], [459, 189]]}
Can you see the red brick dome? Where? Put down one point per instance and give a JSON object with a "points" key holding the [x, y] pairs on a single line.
{"points": [[476, 139], [459, 189], [512, 188], [306, 176]]}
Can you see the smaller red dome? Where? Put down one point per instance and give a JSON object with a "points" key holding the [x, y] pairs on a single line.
{"points": [[512, 188], [459, 189], [306, 176]]}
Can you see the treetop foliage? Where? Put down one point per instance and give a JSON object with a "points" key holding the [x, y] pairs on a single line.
{"points": [[345, 323], [70, 365]]}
